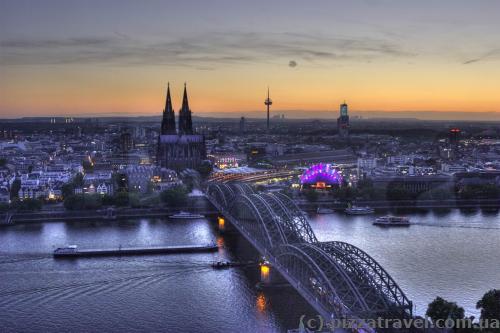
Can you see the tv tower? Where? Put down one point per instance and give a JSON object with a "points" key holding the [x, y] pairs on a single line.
{"points": [[268, 102]]}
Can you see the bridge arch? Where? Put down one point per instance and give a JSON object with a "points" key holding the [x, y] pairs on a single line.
{"points": [[337, 278], [222, 194], [259, 219], [324, 279], [241, 188], [380, 290], [293, 221]]}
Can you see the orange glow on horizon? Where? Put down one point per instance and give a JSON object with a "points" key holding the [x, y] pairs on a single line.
{"points": [[110, 91]]}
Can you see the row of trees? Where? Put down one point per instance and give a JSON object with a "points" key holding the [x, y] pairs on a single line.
{"points": [[396, 192], [175, 196], [96, 201], [25, 205], [489, 304]]}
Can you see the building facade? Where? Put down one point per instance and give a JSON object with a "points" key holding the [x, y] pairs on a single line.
{"points": [[343, 121], [179, 148]]}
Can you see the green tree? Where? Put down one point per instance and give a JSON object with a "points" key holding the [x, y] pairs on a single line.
{"points": [[121, 199], [27, 204], [345, 193], [4, 207], [311, 195], [205, 168], [92, 201], [398, 192], [14, 189], [490, 305], [78, 180], [108, 200], [175, 196], [442, 309], [486, 191], [67, 190], [437, 194], [87, 165], [134, 200], [121, 182], [83, 201]]}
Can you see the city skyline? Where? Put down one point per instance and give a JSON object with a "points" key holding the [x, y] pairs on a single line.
{"points": [[62, 58]]}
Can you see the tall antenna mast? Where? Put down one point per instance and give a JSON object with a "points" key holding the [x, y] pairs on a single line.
{"points": [[268, 102]]}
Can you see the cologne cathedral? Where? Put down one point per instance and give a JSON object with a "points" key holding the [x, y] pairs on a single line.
{"points": [[179, 148]]}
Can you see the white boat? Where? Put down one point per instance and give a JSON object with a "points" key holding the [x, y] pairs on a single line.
{"points": [[323, 210], [70, 249], [354, 210], [186, 216], [392, 221]]}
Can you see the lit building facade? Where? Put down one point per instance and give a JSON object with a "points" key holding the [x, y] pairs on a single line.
{"points": [[343, 121]]}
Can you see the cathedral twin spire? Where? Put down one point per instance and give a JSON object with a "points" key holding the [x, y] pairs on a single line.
{"points": [[168, 122]]}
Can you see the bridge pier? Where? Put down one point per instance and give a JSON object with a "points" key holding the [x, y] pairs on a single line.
{"points": [[270, 277]]}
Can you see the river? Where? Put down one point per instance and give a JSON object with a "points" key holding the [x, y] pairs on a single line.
{"points": [[454, 255]]}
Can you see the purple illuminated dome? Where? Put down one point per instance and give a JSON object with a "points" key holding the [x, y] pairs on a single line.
{"points": [[325, 174]]}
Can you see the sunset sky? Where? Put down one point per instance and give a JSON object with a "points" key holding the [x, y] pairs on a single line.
{"points": [[92, 58]]}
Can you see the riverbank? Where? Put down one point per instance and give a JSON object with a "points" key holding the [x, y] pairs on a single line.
{"points": [[403, 204], [203, 207], [100, 214]]}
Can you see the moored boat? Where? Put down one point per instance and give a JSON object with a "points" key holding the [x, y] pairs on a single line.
{"points": [[186, 216], [392, 221], [354, 210], [324, 210]]}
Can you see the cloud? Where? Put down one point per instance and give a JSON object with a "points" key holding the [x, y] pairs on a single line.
{"points": [[492, 54], [207, 50]]}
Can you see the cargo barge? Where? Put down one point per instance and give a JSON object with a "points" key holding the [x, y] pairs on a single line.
{"points": [[72, 251]]}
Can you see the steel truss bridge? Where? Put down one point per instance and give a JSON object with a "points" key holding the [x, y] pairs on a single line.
{"points": [[337, 279]]}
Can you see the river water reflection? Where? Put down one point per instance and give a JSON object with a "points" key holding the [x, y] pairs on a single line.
{"points": [[454, 255]]}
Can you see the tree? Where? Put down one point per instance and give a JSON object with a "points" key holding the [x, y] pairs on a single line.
{"points": [[437, 194], [108, 200], [205, 168], [78, 180], [121, 199], [14, 189], [398, 192], [4, 207], [442, 309], [490, 305], [175, 196], [345, 193], [67, 190], [486, 191], [74, 202], [311, 195], [27, 204], [92, 201], [121, 182], [83, 201], [134, 201]]}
